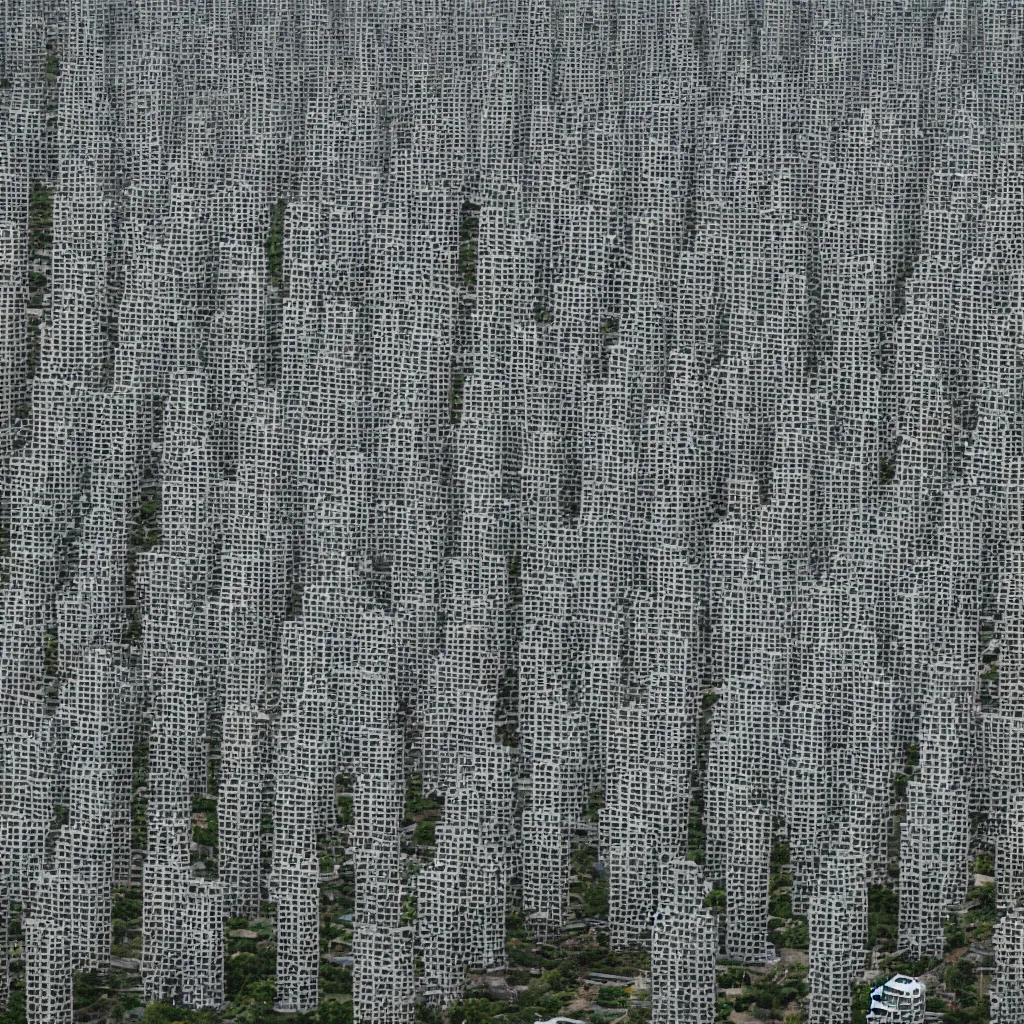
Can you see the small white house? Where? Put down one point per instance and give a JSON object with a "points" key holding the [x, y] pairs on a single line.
{"points": [[901, 1000]]}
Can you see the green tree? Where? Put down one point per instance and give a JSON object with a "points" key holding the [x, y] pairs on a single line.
{"points": [[161, 1013], [334, 1013], [612, 995], [15, 1012], [424, 833], [473, 1011], [960, 978], [860, 1002], [569, 972], [259, 997], [595, 900]]}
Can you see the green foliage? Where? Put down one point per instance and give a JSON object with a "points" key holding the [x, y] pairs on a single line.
{"points": [[860, 1002], [886, 471], [87, 987], [793, 935], [595, 801], [164, 1013], [780, 905], [335, 980], [515, 927], [532, 1003], [961, 979], [903, 965], [146, 529], [595, 899], [883, 916], [715, 898], [15, 1012], [275, 243], [568, 973], [984, 865], [985, 896], [159, 1013], [409, 908], [771, 994], [612, 995], [346, 814], [50, 651], [732, 977], [956, 938], [469, 229], [696, 839], [582, 860], [247, 970], [40, 204], [976, 1014], [334, 1013], [416, 802], [128, 906], [424, 833], [474, 1011], [257, 1001], [780, 854], [205, 835]]}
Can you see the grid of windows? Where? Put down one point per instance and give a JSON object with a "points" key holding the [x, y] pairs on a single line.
{"points": [[535, 398]]}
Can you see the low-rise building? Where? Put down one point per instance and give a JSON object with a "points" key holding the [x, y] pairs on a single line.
{"points": [[901, 1000]]}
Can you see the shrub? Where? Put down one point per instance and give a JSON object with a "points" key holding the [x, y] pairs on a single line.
{"points": [[128, 908], [569, 972], [204, 836], [335, 979], [984, 865], [731, 978], [595, 899], [424, 833], [612, 995], [334, 1013], [248, 969], [960, 978], [473, 1011]]}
